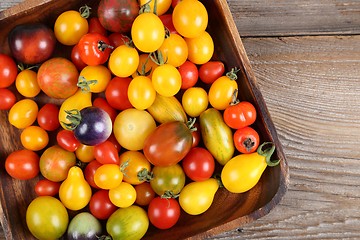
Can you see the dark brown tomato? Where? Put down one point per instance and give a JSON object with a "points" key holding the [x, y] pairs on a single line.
{"points": [[117, 15]]}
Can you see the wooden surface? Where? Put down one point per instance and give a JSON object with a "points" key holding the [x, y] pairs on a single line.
{"points": [[306, 58]]}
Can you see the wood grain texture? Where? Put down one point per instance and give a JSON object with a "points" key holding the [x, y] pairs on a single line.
{"points": [[311, 88]]}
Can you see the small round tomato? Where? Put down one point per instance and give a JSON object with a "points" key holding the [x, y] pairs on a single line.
{"points": [[71, 25], [133, 163], [100, 205], [85, 153], [26, 83], [108, 176], [94, 78], [167, 180], [23, 113], [7, 99], [141, 92], [66, 140], [190, 18], [34, 138], [123, 61], [168, 22], [117, 39], [101, 102], [89, 172], [75, 58], [201, 48], [195, 101], [47, 117], [147, 32], [164, 212], [246, 140], [22, 164], [166, 80], [144, 194], [8, 71], [240, 115], [161, 6], [123, 195], [210, 71], [116, 93], [189, 74], [94, 49], [45, 187], [106, 152], [96, 27], [174, 50], [198, 164], [221, 92]]}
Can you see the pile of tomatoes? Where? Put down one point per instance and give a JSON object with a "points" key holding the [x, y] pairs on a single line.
{"points": [[140, 114]]}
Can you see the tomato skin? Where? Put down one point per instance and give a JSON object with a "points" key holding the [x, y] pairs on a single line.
{"points": [[45, 187], [196, 134], [168, 22], [104, 105], [106, 152], [199, 164], [85, 153], [116, 93], [94, 49], [144, 194], [123, 196], [246, 140], [66, 140], [195, 101], [141, 92], [108, 176], [166, 80], [221, 92], [201, 48], [23, 113], [174, 49], [22, 164], [240, 115], [164, 212], [47, 117], [161, 7], [75, 58], [210, 71], [34, 138], [89, 172], [96, 27], [117, 39], [8, 70], [189, 74], [168, 179], [133, 162], [168, 143], [7, 99], [26, 83], [100, 205], [99, 73], [123, 61]]}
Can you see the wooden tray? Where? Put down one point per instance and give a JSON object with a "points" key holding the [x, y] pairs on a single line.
{"points": [[229, 211]]}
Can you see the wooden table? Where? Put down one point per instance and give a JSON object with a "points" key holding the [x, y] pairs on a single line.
{"points": [[306, 58]]}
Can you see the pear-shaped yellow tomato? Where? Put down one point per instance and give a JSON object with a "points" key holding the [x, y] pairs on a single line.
{"points": [[196, 197], [243, 172], [75, 192]]}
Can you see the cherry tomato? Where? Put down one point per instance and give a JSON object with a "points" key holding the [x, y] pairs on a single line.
{"points": [[146, 66], [190, 18], [94, 49], [71, 25], [174, 3], [96, 27], [117, 39], [45, 187], [198, 164], [34, 138], [108, 176], [85, 153], [195, 101], [104, 105], [174, 49], [210, 71], [164, 212], [189, 74], [23, 113], [123, 195], [133, 162], [66, 140], [8, 71], [144, 194], [106, 152], [246, 140], [7, 99], [169, 180], [168, 23], [47, 117], [161, 6], [200, 48], [26, 83], [94, 78], [240, 115], [100, 205], [196, 134], [123, 61], [141, 92], [75, 58], [22, 164], [166, 80], [116, 93], [89, 172]]}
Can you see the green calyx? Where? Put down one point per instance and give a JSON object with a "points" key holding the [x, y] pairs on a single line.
{"points": [[267, 153], [84, 84], [145, 175], [85, 11], [74, 117], [233, 73]]}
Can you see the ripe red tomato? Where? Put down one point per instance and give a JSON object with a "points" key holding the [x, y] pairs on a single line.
{"points": [[45, 187], [199, 164], [144, 194], [96, 27], [94, 49], [164, 212], [246, 140], [106, 152], [100, 205], [196, 134], [240, 115], [47, 117], [89, 172], [66, 139], [104, 105], [210, 71], [189, 74], [117, 39], [8, 71], [7, 99], [75, 58], [116, 93], [168, 23], [22, 164]]}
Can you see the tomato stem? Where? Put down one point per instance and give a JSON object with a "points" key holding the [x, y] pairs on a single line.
{"points": [[233, 73], [158, 58], [248, 144], [191, 124], [267, 153], [145, 8], [145, 175], [169, 194], [102, 46], [234, 99], [85, 11], [85, 84], [74, 117], [143, 68]]}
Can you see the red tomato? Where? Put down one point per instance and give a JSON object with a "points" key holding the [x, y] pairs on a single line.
{"points": [[112, 139], [164, 212], [94, 49], [45, 187], [89, 172], [96, 27], [75, 58], [7, 99], [22, 164], [116, 93], [8, 71], [106, 152], [189, 74], [103, 104], [144, 194], [199, 164], [47, 117], [240, 115], [100, 205], [246, 140], [174, 3], [196, 134], [210, 71], [66, 139], [118, 39], [168, 23]]}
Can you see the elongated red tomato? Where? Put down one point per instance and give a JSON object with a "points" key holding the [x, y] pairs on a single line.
{"points": [[168, 143]]}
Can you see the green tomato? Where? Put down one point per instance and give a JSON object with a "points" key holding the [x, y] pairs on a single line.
{"points": [[84, 226], [168, 179], [47, 218], [129, 223]]}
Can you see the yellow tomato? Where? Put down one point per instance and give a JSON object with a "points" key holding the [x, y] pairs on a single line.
{"points": [[26, 83], [221, 92], [174, 50], [85, 153], [34, 138], [201, 48], [141, 92], [195, 101], [133, 162], [23, 113], [108, 176], [166, 80], [123, 195], [94, 78], [161, 6], [123, 61]]}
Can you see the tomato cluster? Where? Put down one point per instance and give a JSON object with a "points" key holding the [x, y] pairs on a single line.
{"points": [[141, 115]]}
